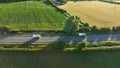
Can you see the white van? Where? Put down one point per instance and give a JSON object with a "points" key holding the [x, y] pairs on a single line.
{"points": [[36, 36], [82, 34]]}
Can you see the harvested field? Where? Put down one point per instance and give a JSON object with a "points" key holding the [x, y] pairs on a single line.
{"points": [[97, 13]]}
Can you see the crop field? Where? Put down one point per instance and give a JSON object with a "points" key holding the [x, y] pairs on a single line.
{"points": [[60, 60], [117, 1], [31, 15], [97, 13]]}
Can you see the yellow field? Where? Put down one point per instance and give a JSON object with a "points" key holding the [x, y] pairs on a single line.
{"points": [[96, 13]]}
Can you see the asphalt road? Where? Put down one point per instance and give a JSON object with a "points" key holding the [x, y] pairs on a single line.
{"points": [[29, 40]]}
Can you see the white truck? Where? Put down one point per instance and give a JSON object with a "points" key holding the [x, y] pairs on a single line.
{"points": [[82, 34], [36, 36]]}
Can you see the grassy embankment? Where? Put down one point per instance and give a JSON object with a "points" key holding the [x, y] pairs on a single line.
{"points": [[99, 55], [60, 60], [31, 15], [96, 13]]}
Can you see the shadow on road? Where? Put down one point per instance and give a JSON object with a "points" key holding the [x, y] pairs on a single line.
{"points": [[28, 42], [71, 38], [51, 47], [77, 39], [3, 37], [31, 41], [106, 37]]}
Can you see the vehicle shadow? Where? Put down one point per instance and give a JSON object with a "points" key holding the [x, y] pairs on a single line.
{"points": [[29, 42]]}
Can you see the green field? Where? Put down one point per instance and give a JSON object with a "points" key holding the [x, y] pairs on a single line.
{"points": [[31, 15], [96, 13], [60, 60]]}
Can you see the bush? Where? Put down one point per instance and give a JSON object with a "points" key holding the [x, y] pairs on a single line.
{"points": [[70, 44], [60, 45], [105, 30], [8, 46], [116, 29], [4, 30], [94, 29], [84, 29], [104, 43], [82, 45]]}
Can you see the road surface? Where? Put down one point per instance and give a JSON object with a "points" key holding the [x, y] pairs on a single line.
{"points": [[30, 40]]}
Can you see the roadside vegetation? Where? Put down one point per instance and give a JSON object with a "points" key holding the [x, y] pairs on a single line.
{"points": [[63, 46]]}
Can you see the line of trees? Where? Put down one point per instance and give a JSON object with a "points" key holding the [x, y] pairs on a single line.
{"points": [[95, 29], [74, 24]]}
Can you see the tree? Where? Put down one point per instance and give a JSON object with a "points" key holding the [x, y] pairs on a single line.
{"points": [[72, 25], [105, 30], [94, 29], [116, 29]]}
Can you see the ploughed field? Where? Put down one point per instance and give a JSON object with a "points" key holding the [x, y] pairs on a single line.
{"points": [[97, 13], [31, 15]]}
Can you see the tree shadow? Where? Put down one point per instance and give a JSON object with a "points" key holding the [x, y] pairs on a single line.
{"points": [[51, 47], [115, 36], [105, 37], [3, 37], [75, 40]]}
